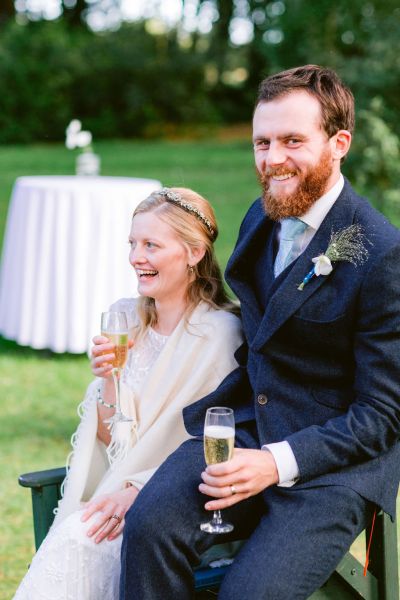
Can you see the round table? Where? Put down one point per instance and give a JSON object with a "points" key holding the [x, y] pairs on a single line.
{"points": [[65, 257]]}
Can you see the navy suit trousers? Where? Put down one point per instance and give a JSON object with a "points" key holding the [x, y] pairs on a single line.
{"points": [[295, 537]]}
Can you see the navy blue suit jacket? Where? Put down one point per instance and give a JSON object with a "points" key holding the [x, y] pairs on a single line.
{"points": [[327, 358]]}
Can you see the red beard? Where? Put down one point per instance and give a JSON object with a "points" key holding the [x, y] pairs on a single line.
{"points": [[311, 187]]}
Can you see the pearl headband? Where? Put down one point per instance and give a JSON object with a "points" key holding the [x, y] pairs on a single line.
{"points": [[175, 198]]}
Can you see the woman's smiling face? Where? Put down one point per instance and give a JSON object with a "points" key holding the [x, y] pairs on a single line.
{"points": [[159, 258]]}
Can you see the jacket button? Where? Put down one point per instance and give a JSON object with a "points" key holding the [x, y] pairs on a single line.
{"points": [[262, 399]]}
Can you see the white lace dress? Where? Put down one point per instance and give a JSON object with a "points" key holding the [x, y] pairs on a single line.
{"points": [[69, 565]]}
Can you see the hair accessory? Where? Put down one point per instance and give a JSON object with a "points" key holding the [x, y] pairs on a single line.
{"points": [[177, 199]]}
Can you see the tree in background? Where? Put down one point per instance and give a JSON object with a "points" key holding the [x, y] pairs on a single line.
{"points": [[146, 77], [74, 11], [7, 11], [126, 83], [360, 40]]}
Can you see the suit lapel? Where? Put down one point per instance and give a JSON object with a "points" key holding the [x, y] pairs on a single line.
{"points": [[240, 268], [286, 299]]}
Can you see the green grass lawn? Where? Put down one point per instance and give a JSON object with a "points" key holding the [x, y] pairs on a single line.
{"points": [[39, 390]]}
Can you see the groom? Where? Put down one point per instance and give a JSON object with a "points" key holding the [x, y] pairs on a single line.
{"points": [[317, 395]]}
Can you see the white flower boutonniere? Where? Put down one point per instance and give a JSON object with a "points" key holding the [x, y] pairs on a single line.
{"points": [[348, 245], [323, 265]]}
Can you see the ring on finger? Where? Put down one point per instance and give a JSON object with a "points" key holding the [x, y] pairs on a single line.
{"points": [[233, 490], [117, 517]]}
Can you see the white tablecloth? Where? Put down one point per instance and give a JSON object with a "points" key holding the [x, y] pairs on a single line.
{"points": [[65, 257]]}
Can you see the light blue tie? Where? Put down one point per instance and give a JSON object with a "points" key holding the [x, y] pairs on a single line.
{"points": [[292, 230]]}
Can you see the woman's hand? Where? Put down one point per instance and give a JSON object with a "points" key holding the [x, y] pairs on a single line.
{"points": [[109, 506], [102, 356]]}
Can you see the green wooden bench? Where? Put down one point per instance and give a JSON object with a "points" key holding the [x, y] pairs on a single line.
{"points": [[347, 582]]}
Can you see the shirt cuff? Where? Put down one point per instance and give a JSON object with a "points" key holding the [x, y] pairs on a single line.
{"points": [[286, 463]]}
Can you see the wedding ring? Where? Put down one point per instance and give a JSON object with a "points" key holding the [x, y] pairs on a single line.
{"points": [[233, 490], [117, 517]]}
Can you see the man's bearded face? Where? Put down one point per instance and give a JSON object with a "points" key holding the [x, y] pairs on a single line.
{"points": [[312, 185]]}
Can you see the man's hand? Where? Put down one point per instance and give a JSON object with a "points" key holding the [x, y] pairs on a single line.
{"points": [[249, 472]]}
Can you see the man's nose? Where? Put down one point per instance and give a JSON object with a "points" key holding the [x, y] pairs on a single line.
{"points": [[276, 155]]}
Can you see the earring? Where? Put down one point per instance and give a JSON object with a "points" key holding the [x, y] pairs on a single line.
{"points": [[190, 269]]}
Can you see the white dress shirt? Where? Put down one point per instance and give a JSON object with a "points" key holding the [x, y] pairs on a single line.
{"points": [[285, 460]]}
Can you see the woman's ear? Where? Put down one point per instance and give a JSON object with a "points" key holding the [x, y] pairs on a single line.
{"points": [[196, 254]]}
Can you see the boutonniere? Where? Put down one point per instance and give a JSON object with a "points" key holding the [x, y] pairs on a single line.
{"points": [[347, 244]]}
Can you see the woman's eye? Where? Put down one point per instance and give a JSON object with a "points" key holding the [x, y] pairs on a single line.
{"points": [[150, 245]]}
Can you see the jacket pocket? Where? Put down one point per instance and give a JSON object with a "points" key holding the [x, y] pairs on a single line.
{"points": [[331, 338], [338, 399], [333, 321]]}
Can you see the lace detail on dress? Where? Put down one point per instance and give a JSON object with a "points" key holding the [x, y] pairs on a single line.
{"points": [[143, 354], [141, 358], [71, 566]]}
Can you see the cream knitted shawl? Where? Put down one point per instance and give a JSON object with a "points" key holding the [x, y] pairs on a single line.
{"points": [[195, 359]]}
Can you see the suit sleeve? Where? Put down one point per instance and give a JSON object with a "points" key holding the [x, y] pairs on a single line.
{"points": [[371, 426], [234, 391]]}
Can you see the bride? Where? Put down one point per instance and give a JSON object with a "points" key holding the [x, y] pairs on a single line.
{"points": [[184, 336]]}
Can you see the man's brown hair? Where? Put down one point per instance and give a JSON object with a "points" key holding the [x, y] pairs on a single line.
{"points": [[336, 100]]}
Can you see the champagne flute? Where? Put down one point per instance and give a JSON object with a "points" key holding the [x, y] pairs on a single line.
{"points": [[219, 438], [114, 326]]}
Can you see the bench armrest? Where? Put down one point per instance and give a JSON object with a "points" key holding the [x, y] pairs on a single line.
{"points": [[45, 489], [40, 479]]}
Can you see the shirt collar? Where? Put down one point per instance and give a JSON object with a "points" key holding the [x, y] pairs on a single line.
{"points": [[317, 213]]}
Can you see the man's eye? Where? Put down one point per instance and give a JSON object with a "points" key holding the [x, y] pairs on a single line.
{"points": [[150, 245], [294, 142], [261, 144]]}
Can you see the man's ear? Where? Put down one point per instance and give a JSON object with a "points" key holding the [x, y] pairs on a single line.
{"points": [[340, 144], [196, 254]]}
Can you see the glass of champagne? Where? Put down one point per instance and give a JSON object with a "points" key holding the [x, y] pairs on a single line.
{"points": [[114, 326], [219, 438]]}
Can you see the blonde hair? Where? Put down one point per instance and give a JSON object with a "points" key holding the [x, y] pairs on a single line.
{"points": [[193, 231]]}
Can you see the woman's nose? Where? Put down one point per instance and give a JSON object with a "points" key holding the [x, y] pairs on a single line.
{"points": [[135, 256]]}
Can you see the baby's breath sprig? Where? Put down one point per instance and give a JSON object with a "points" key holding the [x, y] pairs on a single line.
{"points": [[347, 245]]}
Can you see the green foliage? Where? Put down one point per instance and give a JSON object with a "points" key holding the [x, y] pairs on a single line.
{"points": [[119, 83], [133, 83], [377, 148], [360, 40], [35, 74]]}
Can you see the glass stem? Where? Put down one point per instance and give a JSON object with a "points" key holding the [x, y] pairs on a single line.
{"points": [[116, 373], [217, 519]]}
